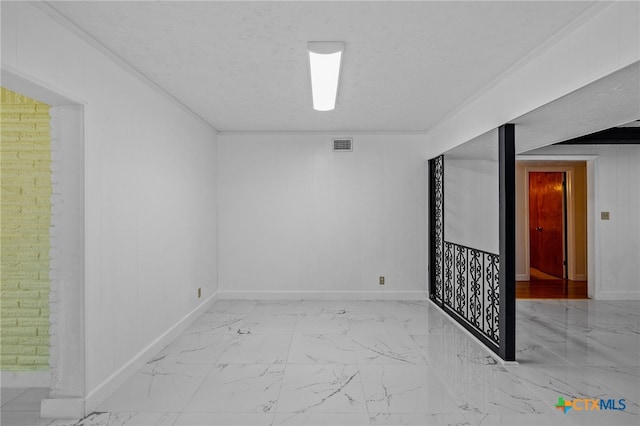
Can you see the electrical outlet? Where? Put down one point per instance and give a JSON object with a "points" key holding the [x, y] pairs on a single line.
{"points": [[199, 292], [381, 280]]}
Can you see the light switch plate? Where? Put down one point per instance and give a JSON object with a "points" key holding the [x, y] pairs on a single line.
{"points": [[604, 215]]}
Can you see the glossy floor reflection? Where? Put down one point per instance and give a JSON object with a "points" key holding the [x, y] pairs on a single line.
{"points": [[375, 363]]}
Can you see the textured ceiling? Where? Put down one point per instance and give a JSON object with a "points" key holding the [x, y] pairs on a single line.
{"points": [[587, 110], [243, 66]]}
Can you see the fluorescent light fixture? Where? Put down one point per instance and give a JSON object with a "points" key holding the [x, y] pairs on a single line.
{"points": [[324, 60]]}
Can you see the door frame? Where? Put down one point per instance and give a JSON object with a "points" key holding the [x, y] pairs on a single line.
{"points": [[593, 253], [568, 223], [66, 378]]}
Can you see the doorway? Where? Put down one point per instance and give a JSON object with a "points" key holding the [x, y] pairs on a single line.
{"points": [[66, 376], [551, 234]]}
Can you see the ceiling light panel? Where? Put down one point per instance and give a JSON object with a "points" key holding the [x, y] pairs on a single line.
{"points": [[325, 60]]}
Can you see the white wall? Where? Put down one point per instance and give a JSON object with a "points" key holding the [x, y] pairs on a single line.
{"points": [[150, 191], [471, 203], [614, 247], [298, 220]]}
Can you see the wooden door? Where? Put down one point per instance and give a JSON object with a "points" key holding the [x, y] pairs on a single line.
{"points": [[546, 222]]}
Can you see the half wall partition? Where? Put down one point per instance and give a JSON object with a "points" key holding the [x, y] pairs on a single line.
{"points": [[472, 238]]}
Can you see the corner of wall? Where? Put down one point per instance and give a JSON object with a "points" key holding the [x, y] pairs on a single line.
{"points": [[97, 395]]}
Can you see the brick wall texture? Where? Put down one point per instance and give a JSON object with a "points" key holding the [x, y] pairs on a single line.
{"points": [[25, 157]]}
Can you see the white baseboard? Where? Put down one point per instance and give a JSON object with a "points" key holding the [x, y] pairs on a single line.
{"points": [[62, 408], [323, 295], [618, 295], [523, 277], [69, 407], [25, 379]]}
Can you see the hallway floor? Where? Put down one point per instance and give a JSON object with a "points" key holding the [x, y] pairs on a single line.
{"points": [[545, 286], [374, 363], [551, 289]]}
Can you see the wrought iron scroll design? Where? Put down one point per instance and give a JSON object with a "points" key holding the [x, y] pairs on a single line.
{"points": [[437, 179], [471, 288], [465, 281]]}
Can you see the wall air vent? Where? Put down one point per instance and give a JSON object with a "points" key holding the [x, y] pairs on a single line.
{"points": [[343, 145]]}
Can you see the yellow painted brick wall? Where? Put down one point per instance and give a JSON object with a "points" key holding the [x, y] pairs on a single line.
{"points": [[25, 157]]}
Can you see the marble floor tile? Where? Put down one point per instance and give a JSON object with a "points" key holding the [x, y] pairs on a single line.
{"points": [[538, 327], [578, 316], [395, 388], [234, 307], [257, 349], [387, 349], [405, 308], [582, 350], [325, 388], [436, 323], [460, 376], [28, 400], [422, 343], [418, 419], [194, 348], [530, 351], [550, 382], [238, 388], [374, 324], [320, 419], [8, 394], [608, 418], [278, 307], [31, 418], [21, 407], [604, 315], [493, 390], [226, 419], [479, 383], [158, 388], [620, 379], [216, 323], [354, 308], [550, 419], [322, 349], [453, 350], [625, 347], [343, 362], [323, 323], [128, 419], [268, 324], [335, 307]]}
